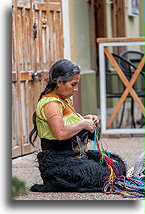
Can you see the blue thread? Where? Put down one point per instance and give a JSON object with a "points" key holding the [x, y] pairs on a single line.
{"points": [[95, 142]]}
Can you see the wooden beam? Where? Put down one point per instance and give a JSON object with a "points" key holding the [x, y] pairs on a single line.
{"points": [[52, 7], [28, 76], [120, 39]]}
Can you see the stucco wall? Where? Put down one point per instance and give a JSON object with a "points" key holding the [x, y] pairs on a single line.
{"points": [[80, 47], [134, 28], [80, 53]]}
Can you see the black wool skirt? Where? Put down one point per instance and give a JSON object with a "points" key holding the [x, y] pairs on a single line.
{"points": [[63, 171]]}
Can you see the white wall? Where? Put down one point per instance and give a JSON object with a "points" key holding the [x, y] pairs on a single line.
{"points": [[66, 28]]}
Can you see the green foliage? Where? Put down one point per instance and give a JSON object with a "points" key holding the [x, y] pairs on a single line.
{"points": [[18, 187]]}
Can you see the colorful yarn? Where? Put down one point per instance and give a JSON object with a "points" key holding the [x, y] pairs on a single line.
{"points": [[127, 187], [82, 151], [110, 163], [95, 141]]}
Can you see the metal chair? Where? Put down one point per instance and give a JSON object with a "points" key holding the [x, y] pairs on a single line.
{"points": [[134, 58], [128, 62]]}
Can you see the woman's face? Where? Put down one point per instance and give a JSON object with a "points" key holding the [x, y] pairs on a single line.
{"points": [[67, 89]]}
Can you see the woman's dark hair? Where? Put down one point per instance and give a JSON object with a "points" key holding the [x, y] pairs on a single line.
{"points": [[63, 71]]}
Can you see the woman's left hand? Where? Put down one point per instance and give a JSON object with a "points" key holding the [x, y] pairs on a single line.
{"points": [[92, 117]]}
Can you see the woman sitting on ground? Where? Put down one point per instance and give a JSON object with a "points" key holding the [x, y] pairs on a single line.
{"points": [[64, 162]]}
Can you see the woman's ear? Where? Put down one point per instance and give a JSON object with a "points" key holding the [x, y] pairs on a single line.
{"points": [[58, 83]]}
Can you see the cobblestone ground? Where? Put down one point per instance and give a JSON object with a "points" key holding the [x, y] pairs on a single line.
{"points": [[26, 169]]}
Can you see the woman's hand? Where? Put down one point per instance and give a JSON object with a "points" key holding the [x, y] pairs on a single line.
{"points": [[88, 124], [92, 117]]}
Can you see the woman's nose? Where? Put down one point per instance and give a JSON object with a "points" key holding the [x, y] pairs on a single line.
{"points": [[76, 88]]}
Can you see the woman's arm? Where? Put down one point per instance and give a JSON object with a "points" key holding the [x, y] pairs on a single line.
{"points": [[62, 132], [54, 115]]}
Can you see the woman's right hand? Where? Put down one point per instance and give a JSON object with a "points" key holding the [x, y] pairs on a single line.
{"points": [[89, 125]]}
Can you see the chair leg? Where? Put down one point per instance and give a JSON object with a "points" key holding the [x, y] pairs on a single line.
{"points": [[141, 121], [132, 114], [122, 115]]}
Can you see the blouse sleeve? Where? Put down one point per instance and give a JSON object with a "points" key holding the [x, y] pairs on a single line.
{"points": [[53, 108]]}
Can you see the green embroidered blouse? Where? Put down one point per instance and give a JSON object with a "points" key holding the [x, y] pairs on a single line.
{"points": [[68, 113]]}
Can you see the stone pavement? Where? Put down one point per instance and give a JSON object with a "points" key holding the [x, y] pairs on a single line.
{"points": [[26, 169]]}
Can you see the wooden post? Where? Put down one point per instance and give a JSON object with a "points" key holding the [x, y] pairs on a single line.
{"points": [[33, 49], [18, 77], [48, 30], [61, 42]]}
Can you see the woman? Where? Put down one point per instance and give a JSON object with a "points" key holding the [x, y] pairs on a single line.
{"points": [[64, 163]]}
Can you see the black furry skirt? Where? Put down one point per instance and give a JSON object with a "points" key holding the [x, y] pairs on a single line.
{"points": [[63, 171]]}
